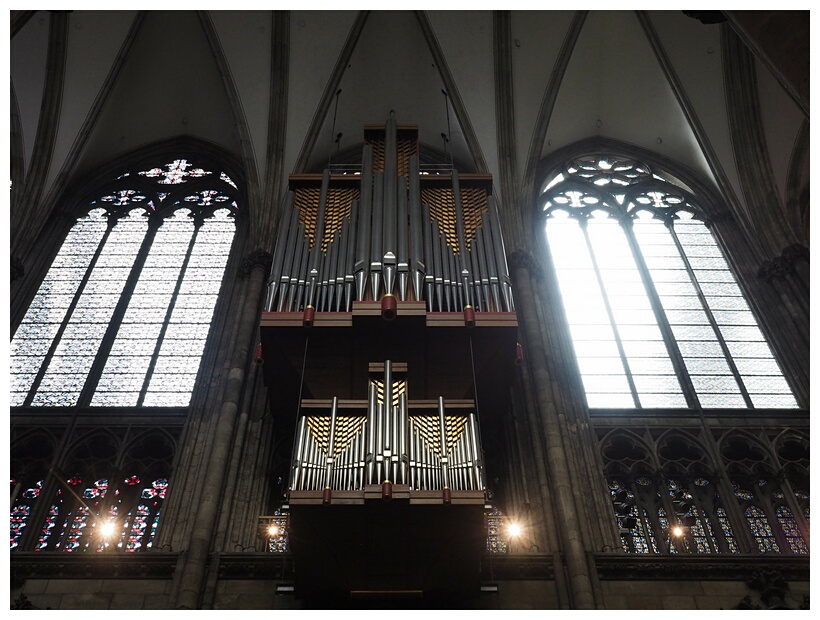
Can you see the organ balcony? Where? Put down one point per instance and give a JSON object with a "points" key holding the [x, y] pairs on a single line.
{"points": [[388, 342]]}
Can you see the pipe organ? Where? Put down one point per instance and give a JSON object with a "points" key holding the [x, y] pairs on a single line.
{"points": [[390, 229], [425, 447], [387, 344]]}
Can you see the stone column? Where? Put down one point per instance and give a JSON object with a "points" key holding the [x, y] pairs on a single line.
{"points": [[255, 268], [521, 267]]}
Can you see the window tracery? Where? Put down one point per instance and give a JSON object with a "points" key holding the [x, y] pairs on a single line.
{"points": [[123, 313], [667, 497], [656, 317]]}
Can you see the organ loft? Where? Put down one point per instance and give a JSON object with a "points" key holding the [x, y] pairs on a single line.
{"points": [[388, 341]]}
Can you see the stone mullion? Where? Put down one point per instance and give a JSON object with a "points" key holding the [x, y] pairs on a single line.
{"points": [[734, 512], [35, 386], [101, 357], [192, 578], [793, 504], [560, 479]]}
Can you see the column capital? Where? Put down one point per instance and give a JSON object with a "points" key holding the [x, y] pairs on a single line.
{"points": [[521, 259], [257, 259]]}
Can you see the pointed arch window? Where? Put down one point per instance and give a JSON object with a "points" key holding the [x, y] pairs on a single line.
{"points": [[122, 315], [655, 314]]}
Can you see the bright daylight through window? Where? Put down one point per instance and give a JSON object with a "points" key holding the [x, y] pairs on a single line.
{"points": [[123, 313], [656, 316]]}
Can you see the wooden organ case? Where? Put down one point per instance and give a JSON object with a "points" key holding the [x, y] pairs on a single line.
{"points": [[388, 340]]}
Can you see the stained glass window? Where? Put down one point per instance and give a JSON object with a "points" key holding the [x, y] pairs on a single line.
{"points": [[123, 313], [100, 517], [496, 541], [21, 509], [726, 528], [656, 317], [636, 533], [277, 540], [761, 530], [789, 526]]}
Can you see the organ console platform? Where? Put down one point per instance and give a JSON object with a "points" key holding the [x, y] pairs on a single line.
{"points": [[388, 341]]}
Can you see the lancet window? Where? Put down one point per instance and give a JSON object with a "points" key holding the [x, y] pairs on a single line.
{"points": [[655, 313], [122, 315]]}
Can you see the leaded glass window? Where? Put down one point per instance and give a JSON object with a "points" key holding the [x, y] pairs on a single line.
{"points": [[122, 315], [791, 531], [21, 508], [102, 515], [761, 530], [656, 317]]}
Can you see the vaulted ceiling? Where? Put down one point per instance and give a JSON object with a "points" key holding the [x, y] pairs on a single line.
{"points": [[499, 93]]}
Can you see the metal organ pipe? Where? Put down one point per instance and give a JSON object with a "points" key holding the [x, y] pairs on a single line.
{"points": [[414, 211], [331, 440], [389, 206], [296, 304], [445, 479], [500, 256], [361, 264], [376, 234], [349, 278], [316, 250], [401, 246], [289, 259], [482, 261], [277, 266]]}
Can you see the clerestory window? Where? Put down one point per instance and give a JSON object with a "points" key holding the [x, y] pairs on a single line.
{"points": [[656, 316], [122, 315]]}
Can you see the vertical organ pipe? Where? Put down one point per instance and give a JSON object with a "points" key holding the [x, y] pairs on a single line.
{"points": [[282, 232], [376, 245], [331, 440], [379, 443], [402, 258], [301, 279], [427, 234], [289, 261], [300, 451], [414, 211], [349, 278], [363, 224], [443, 440], [485, 278], [403, 447], [389, 206], [316, 250], [371, 432], [477, 460], [500, 256]]}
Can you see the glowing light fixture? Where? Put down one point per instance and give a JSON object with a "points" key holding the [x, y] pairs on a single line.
{"points": [[107, 529], [514, 530]]}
